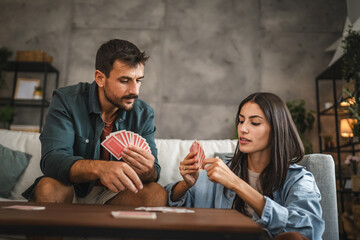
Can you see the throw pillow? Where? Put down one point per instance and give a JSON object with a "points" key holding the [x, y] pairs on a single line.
{"points": [[224, 156], [12, 165]]}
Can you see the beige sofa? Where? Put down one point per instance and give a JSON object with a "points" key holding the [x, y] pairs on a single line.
{"points": [[170, 153]]}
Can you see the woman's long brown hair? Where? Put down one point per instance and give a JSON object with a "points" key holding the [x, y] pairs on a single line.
{"points": [[286, 146]]}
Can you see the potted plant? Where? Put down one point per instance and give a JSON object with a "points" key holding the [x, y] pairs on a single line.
{"points": [[351, 73], [38, 93], [304, 121], [7, 112]]}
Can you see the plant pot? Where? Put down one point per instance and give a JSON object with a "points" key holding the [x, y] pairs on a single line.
{"points": [[355, 183]]}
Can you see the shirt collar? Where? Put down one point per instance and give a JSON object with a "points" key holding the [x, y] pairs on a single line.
{"points": [[94, 104], [295, 166]]}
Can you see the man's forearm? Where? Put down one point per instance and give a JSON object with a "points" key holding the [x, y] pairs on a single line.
{"points": [[84, 171]]}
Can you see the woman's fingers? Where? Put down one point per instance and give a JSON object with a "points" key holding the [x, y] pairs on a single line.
{"points": [[184, 167], [190, 157], [208, 163]]}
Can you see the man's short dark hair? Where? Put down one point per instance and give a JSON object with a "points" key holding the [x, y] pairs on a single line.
{"points": [[118, 49]]}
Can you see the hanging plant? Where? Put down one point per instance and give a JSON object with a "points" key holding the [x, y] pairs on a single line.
{"points": [[351, 59]]}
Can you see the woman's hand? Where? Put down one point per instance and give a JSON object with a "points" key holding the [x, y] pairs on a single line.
{"points": [[219, 172], [189, 169]]}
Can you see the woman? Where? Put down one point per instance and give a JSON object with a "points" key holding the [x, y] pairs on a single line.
{"points": [[262, 179]]}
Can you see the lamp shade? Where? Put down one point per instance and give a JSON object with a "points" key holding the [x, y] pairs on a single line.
{"points": [[346, 127]]}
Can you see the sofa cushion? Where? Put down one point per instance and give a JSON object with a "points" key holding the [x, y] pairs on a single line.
{"points": [[27, 142], [13, 164]]}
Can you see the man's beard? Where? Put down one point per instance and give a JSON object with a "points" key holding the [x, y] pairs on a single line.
{"points": [[119, 102]]}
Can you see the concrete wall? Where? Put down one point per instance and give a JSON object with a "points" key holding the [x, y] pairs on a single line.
{"points": [[206, 55]]}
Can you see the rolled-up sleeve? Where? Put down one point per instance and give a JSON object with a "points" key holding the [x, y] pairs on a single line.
{"points": [[300, 210], [57, 139], [185, 201]]}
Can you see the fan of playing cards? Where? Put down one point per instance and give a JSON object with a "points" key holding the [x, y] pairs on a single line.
{"points": [[196, 147], [116, 142]]}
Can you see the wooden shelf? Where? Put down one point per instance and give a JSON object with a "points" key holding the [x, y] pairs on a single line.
{"points": [[44, 68]]}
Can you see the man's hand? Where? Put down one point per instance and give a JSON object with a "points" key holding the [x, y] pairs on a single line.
{"points": [[115, 175], [118, 176], [141, 161]]}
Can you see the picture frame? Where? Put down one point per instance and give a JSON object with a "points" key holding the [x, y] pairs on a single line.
{"points": [[25, 88]]}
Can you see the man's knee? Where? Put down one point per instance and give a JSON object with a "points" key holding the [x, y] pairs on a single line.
{"points": [[154, 195], [51, 190]]}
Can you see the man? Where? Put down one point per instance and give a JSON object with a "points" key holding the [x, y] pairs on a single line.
{"points": [[76, 167]]}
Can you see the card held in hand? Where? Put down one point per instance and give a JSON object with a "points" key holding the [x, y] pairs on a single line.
{"points": [[118, 141], [196, 147]]}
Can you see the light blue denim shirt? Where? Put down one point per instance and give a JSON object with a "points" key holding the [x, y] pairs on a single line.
{"points": [[295, 208]]}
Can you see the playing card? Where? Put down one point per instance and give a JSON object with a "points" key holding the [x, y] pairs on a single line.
{"points": [[134, 136], [142, 142], [120, 136], [201, 156], [128, 136], [165, 209], [137, 139], [193, 147], [24, 207], [114, 146], [196, 147], [133, 214], [125, 138], [116, 142]]}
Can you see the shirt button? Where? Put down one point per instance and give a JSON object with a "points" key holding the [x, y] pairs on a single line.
{"points": [[231, 195], [87, 140]]}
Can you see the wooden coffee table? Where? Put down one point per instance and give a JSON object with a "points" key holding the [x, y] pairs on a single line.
{"points": [[96, 221]]}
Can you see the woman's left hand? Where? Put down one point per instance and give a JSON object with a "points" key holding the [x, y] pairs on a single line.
{"points": [[219, 172]]}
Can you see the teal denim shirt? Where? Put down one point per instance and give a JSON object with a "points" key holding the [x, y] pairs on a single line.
{"points": [[295, 208], [73, 128]]}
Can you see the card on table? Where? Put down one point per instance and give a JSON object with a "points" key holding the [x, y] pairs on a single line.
{"points": [[133, 214], [118, 141], [24, 207], [165, 209]]}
